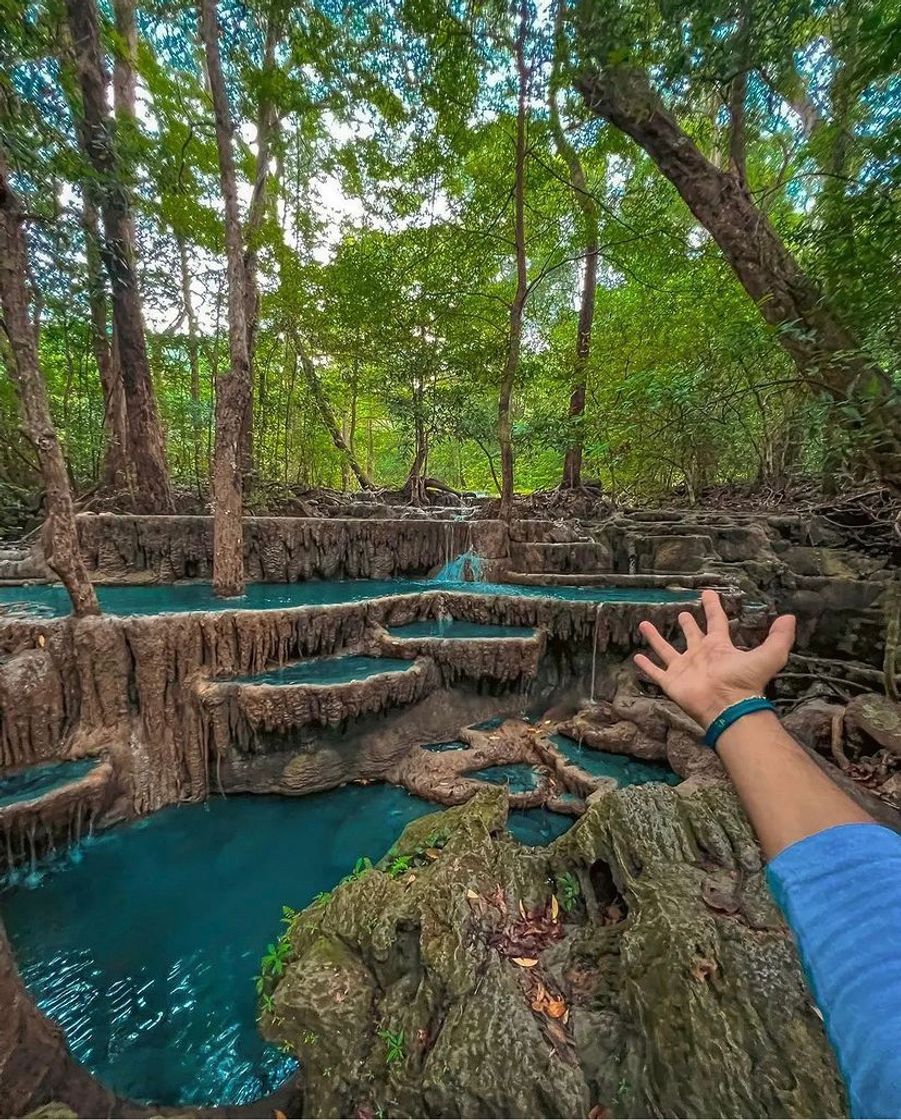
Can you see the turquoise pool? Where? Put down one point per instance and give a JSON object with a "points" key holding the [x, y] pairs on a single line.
{"points": [[51, 600], [625, 770], [30, 784], [145, 950], [329, 670]]}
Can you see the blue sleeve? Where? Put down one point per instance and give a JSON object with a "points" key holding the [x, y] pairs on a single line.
{"points": [[840, 891]]}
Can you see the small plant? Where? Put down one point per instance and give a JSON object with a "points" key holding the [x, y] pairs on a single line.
{"points": [[568, 890], [321, 899], [267, 1003], [275, 958], [309, 1038], [288, 915], [399, 865], [395, 1046], [363, 864]]}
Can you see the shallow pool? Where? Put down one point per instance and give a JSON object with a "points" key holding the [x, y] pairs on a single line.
{"points": [[538, 827], [30, 784], [457, 628], [625, 770], [145, 951], [451, 745], [519, 777], [329, 670], [51, 600]]}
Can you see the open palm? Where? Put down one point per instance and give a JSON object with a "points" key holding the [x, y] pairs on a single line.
{"points": [[712, 673]]}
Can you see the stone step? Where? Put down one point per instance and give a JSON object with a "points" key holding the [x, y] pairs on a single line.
{"points": [[578, 556]]}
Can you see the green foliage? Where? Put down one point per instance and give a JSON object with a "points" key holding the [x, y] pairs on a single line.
{"points": [[568, 890], [395, 1046], [384, 246]]}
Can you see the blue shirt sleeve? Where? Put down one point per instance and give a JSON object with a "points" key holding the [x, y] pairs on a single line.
{"points": [[840, 891]]}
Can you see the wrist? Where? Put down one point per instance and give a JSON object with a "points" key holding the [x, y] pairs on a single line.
{"points": [[719, 701]]}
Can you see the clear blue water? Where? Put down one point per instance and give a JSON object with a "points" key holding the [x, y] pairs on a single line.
{"points": [[51, 600], [520, 777], [329, 670], [468, 566], [34, 782], [145, 951], [600, 764], [538, 827], [454, 745], [457, 628]]}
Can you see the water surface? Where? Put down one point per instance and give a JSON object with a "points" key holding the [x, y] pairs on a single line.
{"points": [[538, 827], [625, 770], [520, 777], [329, 670], [457, 628], [145, 951], [30, 784], [51, 600]]}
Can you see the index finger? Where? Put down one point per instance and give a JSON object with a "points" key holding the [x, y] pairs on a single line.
{"points": [[717, 620]]}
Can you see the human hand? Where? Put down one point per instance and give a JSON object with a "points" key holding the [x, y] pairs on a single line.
{"points": [[712, 674]]}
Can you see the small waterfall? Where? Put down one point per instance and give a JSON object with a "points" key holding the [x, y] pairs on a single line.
{"points": [[594, 651], [468, 566]]}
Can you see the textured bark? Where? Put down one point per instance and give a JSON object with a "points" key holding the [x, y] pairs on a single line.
{"points": [[572, 462], [826, 353], [59, 534], [517, 307], [114, 473], [145, 434], [233, 389]]}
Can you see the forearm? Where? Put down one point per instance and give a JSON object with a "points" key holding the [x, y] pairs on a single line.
{"points": [[786, 795]]}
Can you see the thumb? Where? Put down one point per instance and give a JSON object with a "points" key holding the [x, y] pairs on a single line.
{"points": [[781, 638]]}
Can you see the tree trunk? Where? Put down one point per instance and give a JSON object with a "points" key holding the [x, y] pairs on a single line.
{"points": [[511, 365], [59, 534], [232, 387], [826, 354], [265, 125], [145, 434], [572, 463], [114, 473], [328, 418], [193, 357]]}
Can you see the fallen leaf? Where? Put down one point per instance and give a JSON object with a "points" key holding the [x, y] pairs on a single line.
{"points": [[411, 878], [599, 1113], [556, 1008], [555, 908], [41, 640], [279, 1115], [525, 962], [472, 894], [702, 968], [432, 853], [522, 909]]}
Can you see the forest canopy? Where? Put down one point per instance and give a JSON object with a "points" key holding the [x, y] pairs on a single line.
{"points": [[469, 244]]}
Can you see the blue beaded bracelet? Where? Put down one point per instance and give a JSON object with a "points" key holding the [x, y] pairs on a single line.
{"points": [[734, 712]]}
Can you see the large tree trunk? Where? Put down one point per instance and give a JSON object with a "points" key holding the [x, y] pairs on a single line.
{"points": [[572, 463], [827, 355], [114, 473], [145, 434], [232, 387], [517, 307], [259, 201], [60, 536]]}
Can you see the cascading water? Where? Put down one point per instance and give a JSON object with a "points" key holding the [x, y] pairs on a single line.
{"points": [[468, 566]]}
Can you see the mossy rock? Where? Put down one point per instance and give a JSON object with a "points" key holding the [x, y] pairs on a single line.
{"points": [[670, 988]]}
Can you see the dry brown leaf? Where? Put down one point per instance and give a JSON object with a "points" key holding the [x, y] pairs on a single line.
{"points": [[41, 640], [522, 909], [411, 878], [432, 853], [472, 894], [279, 1115], [555, 908], [555, 1008], [599, 1113], [702, 968], [525, 962]]}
